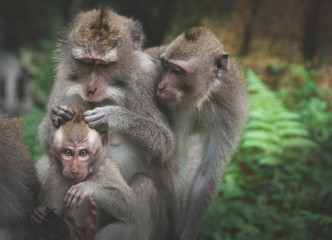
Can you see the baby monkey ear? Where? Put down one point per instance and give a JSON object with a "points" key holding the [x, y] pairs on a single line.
{"points": [[104, 138], [221, 64]]}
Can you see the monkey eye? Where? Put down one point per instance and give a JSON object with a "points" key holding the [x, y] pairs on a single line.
{"points": [[68, 152], [176, 71], [84, 62], [83, 153], [105, 63]]}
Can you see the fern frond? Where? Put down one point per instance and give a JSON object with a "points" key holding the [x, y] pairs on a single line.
{"points": [[271, 128]]}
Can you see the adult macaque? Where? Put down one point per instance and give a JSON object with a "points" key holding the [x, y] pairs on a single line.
{"points": [[206, 99], [19, 184], [81, 167], [102, 69]]}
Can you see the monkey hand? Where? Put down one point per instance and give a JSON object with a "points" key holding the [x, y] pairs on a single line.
{"points": [[48, 224], [60, 115], [39, 214], [77, 193], [98, 118], [87, 229]]}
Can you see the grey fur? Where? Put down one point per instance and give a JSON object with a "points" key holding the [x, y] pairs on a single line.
{"points": [[140, 137], [207, 126]]}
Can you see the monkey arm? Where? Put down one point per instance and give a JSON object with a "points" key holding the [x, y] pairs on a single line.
{"points": [[53, 190], [112, 200], [220, 140], [44, 131], [108, 188], [59, 98], [87, 229], [155, 137], [204, 184]]}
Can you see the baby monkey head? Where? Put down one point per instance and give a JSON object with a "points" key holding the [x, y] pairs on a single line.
{"points": [[77, 149]]}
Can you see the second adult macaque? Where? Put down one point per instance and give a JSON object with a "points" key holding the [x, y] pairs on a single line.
{"points": [[81, 167], [205, 95]]}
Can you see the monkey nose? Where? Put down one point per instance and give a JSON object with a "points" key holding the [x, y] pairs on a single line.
{"points": [[161, 88], [75, 173], [92, 91]]}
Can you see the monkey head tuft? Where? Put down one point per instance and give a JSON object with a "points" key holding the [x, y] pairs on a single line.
{"points": [[193, 33], [104, 14], [97, 28], [77, 129], [78, 115], [195, 42]]}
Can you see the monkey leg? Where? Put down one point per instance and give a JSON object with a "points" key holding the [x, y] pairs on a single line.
{"points": [[5, 234], [17, 233], [149, 212], [152, 216]]}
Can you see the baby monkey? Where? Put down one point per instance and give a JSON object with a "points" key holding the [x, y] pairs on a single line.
{"points": [[81, 168]]}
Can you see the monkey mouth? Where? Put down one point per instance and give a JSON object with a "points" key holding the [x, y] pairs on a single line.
{"points": [[93, 99], [75, 180], [168, 98]]}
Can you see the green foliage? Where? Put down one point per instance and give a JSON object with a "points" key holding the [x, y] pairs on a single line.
{"points": [[30, 124], [41, 66], [278, 184], [272, 129]]}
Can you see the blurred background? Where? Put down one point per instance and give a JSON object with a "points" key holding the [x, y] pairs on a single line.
{"points": [[279, 183]]}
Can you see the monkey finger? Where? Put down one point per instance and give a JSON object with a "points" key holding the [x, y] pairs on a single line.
{"points": [[67, 110], [93, 204], [70, 196], [73, 201], [55, 120], [90, 228], [41, 211], [94, 117], [89, 112], [79, 201], [35, 220], [78, 228], [38, 218], [68, 200], [73, 222], [65, 114], [93, 209]]}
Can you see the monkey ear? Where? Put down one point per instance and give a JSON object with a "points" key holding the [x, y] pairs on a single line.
{"points": [[221, 64], [104, 138], [137, 33]]}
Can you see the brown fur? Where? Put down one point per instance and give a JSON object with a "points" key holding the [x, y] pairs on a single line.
{"points": [[99, 28], [75, 130], [19, 184], [211, 109], [195, 42], [193, 33]]}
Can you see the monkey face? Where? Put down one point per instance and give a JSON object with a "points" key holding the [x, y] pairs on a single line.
{"points": [[101, 41], [76, 162], [175, 85], [77, 149]]}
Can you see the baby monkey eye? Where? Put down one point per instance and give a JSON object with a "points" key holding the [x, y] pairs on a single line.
{"points": [[67, 152], [176, 71], [83, 153], [105, 64]]}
